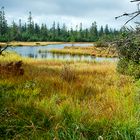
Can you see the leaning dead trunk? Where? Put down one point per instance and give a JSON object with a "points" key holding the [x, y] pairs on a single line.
{"points": [[3, 48]]}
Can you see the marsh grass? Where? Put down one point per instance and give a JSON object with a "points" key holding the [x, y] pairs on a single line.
{"points": [[77, 50], [68, 74], [68, 101], [20, 43]]}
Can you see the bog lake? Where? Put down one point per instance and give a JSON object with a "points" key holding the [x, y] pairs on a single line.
{"points": [[34, 52]]}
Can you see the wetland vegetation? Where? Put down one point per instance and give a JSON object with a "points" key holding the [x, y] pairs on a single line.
{"points": [[91, 51], [66, 99]]}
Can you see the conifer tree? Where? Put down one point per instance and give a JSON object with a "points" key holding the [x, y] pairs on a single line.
{"points": [[30, 24]]}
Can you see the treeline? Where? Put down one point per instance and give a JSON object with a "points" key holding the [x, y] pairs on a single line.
{"points": [[31, 31]]}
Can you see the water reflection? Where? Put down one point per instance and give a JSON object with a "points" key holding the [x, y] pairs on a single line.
{"points": [[73, 57], [31, 55], [43, 56], [33, 52]]}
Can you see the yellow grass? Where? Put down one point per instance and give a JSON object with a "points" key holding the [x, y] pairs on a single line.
{"points": [[19, 43], [86, 97], [93, 51]]}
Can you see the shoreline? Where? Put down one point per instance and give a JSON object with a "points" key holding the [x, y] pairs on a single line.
{"points": [[71, 50], [38, 43]]}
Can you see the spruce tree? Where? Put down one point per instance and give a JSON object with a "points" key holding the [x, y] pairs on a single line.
{"points": [[30, 24], [106, 30], [3, 22], [93, 32], [101, 31]]}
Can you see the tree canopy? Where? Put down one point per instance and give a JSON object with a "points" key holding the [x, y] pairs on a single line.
{"points": [[31, 31]]}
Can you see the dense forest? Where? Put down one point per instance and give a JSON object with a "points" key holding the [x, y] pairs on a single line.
{"points": [[32, 31]]}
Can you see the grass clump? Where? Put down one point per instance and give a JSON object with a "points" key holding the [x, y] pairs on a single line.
{"points": [[91, 51], [68, 74]]}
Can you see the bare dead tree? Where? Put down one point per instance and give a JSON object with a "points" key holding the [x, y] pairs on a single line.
{"points": [[133, 15], [3, 48]]}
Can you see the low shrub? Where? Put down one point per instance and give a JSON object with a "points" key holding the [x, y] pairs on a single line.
{"points": [[129, 54]]}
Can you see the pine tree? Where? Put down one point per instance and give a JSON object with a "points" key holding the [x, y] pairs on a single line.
{"points": [[44, 32], [72, 36], [14, 32], [20, 30], [64, 31], [106, 30], [53, 32], [37, 29], [80, 37], [30, 24], [58, 32], [101, 31], [3, 22], [93, 32], [86, 34], [20, 26]]}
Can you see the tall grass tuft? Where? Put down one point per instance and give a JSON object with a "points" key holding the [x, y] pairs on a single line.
{"points": [[68, 73]]}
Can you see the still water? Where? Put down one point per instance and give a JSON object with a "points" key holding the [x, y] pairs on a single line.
{"points": [[33, 52]]}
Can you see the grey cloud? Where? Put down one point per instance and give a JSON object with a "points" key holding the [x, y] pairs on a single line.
{"points": [[102, 10]]}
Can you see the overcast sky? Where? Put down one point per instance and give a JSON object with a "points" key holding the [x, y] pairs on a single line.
{"points": [[71, 12]]}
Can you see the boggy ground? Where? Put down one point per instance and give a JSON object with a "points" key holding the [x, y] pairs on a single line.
{"points": [[68, 101], [91, 50]]}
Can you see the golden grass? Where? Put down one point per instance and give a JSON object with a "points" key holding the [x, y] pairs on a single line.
{"points": [[97, 92], [71, 52], [20, 43], [95, 84], [16, 43], [93, 51]]}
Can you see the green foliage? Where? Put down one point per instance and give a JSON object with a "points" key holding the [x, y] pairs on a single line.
{"points": [[129, 54], [31, 31], [3, 22], [130, 49], [128, 67]]}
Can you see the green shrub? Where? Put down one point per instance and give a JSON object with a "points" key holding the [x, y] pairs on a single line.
{"points": [[128, 67], [129, 54]]}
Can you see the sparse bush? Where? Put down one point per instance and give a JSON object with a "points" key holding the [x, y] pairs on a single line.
{"points": [[101, 44]]}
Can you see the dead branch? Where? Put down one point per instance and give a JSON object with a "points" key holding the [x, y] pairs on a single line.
{"points": [[3, 49], [133, 14], [134, 0]]}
